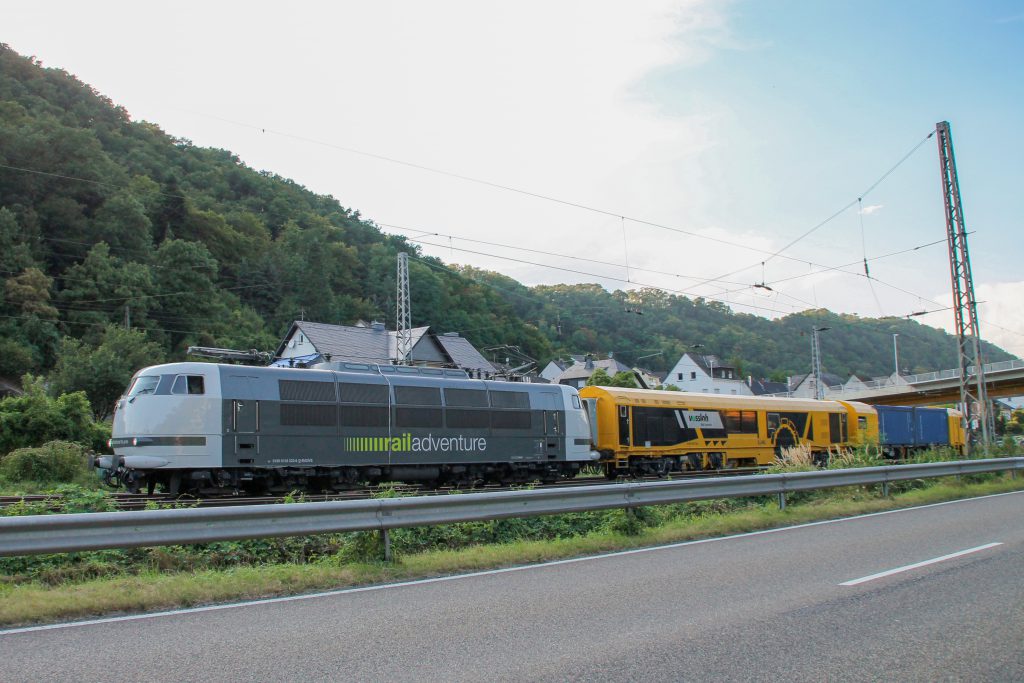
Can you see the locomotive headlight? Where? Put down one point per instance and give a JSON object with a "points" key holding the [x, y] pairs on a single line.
{"points": [[135, 442], [110, 443]]}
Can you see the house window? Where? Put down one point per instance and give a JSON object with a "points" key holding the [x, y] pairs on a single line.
{"points": [[680, 375], [693, 376]]}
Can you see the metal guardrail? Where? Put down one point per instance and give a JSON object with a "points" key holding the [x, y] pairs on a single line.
{"points": [[38, 534]]}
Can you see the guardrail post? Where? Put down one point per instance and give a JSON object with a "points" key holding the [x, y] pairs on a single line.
{"points": [[885, 489], [386, 535], [782, 500]]}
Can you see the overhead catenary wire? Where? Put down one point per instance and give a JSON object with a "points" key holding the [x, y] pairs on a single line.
{"points": [[116, 186], [835, 215], [726, 292], [622, 217], [551, 198], [771, 255], [864, 248], [590, 274]]}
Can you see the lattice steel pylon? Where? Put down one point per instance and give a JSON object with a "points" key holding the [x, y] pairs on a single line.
{"points": [[403, 327], [819, 389], [974, 400]]}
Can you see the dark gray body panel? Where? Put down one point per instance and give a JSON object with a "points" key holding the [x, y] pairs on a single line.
{"points": [[283, 417]]}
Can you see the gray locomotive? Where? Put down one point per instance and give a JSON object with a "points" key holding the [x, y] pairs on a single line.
{"points": [[208, 428]]}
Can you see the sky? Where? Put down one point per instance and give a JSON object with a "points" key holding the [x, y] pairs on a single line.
{"points": [[698, 146]]}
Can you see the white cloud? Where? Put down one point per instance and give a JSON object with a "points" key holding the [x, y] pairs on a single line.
{"points": [[1000, 314]]}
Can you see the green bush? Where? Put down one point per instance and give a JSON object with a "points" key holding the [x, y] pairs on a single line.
{"points": [[56, 461], [35, 418]]}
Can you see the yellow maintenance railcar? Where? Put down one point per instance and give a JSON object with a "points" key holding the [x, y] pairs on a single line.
{"points": [[640, 431]]}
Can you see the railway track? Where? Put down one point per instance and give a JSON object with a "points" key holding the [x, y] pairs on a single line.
{"points": [[140, 501]]}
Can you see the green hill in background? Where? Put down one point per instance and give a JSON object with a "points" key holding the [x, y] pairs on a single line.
{"points": [[103, 218]]}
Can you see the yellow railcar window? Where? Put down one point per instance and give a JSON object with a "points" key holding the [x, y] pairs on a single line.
{"points": [[740, 421]]}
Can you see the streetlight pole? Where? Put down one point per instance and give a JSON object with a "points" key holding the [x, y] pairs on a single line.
{"points": [[895, 353]]}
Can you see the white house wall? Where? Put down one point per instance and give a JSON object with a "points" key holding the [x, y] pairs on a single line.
{"points": [[551, 371], [298, 345], [689, 376]]}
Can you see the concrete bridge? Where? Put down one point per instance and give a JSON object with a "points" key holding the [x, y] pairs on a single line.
{"points": [[1003, 379]]}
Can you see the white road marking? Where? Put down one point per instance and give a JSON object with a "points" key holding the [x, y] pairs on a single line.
{"points": [[907, 568], [488, 572]]}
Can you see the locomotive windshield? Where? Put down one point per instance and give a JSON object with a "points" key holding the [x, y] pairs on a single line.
{"points": [[143, 385]]}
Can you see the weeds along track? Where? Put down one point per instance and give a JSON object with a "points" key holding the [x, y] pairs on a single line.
{"points": [[56, 502]]}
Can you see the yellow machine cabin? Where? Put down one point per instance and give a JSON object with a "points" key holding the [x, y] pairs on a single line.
{"points": [[640, 431]]}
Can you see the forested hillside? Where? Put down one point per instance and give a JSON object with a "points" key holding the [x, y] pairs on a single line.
{"points": [[105, 220]]}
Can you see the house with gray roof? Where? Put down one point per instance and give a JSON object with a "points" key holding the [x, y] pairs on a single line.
{"points": [[373, 343], [706, 373], [553, 369], [760, 387], [802, 386], [577, 374]]}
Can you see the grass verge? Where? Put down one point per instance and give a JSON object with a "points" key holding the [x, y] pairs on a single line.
{"points": [[153, 590]]}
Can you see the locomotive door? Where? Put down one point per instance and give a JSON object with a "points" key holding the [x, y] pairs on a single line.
{"points": [[552, 423], [245, 416]]}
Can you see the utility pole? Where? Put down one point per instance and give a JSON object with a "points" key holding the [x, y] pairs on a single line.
{"points": [[974, 399], [128, 317], [819, 390], [403, 328]]}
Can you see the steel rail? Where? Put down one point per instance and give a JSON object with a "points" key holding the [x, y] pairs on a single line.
{"points": [[38, 534]]}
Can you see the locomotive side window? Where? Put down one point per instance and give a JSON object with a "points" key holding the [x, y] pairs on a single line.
{"points": [[417, 417], [575, 401], [292, 390], [467, 419], [510, 419], [510, 399], [144, 385], [364, 393], [418, 396], [308, 415], [188, 384], [364, 416], [466, 398], [749, 422]]}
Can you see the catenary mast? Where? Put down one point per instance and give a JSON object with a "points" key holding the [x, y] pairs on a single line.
{"points": [[974, 399]]}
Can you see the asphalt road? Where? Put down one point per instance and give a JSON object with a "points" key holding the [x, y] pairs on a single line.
{"points": [[766, 606]]}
